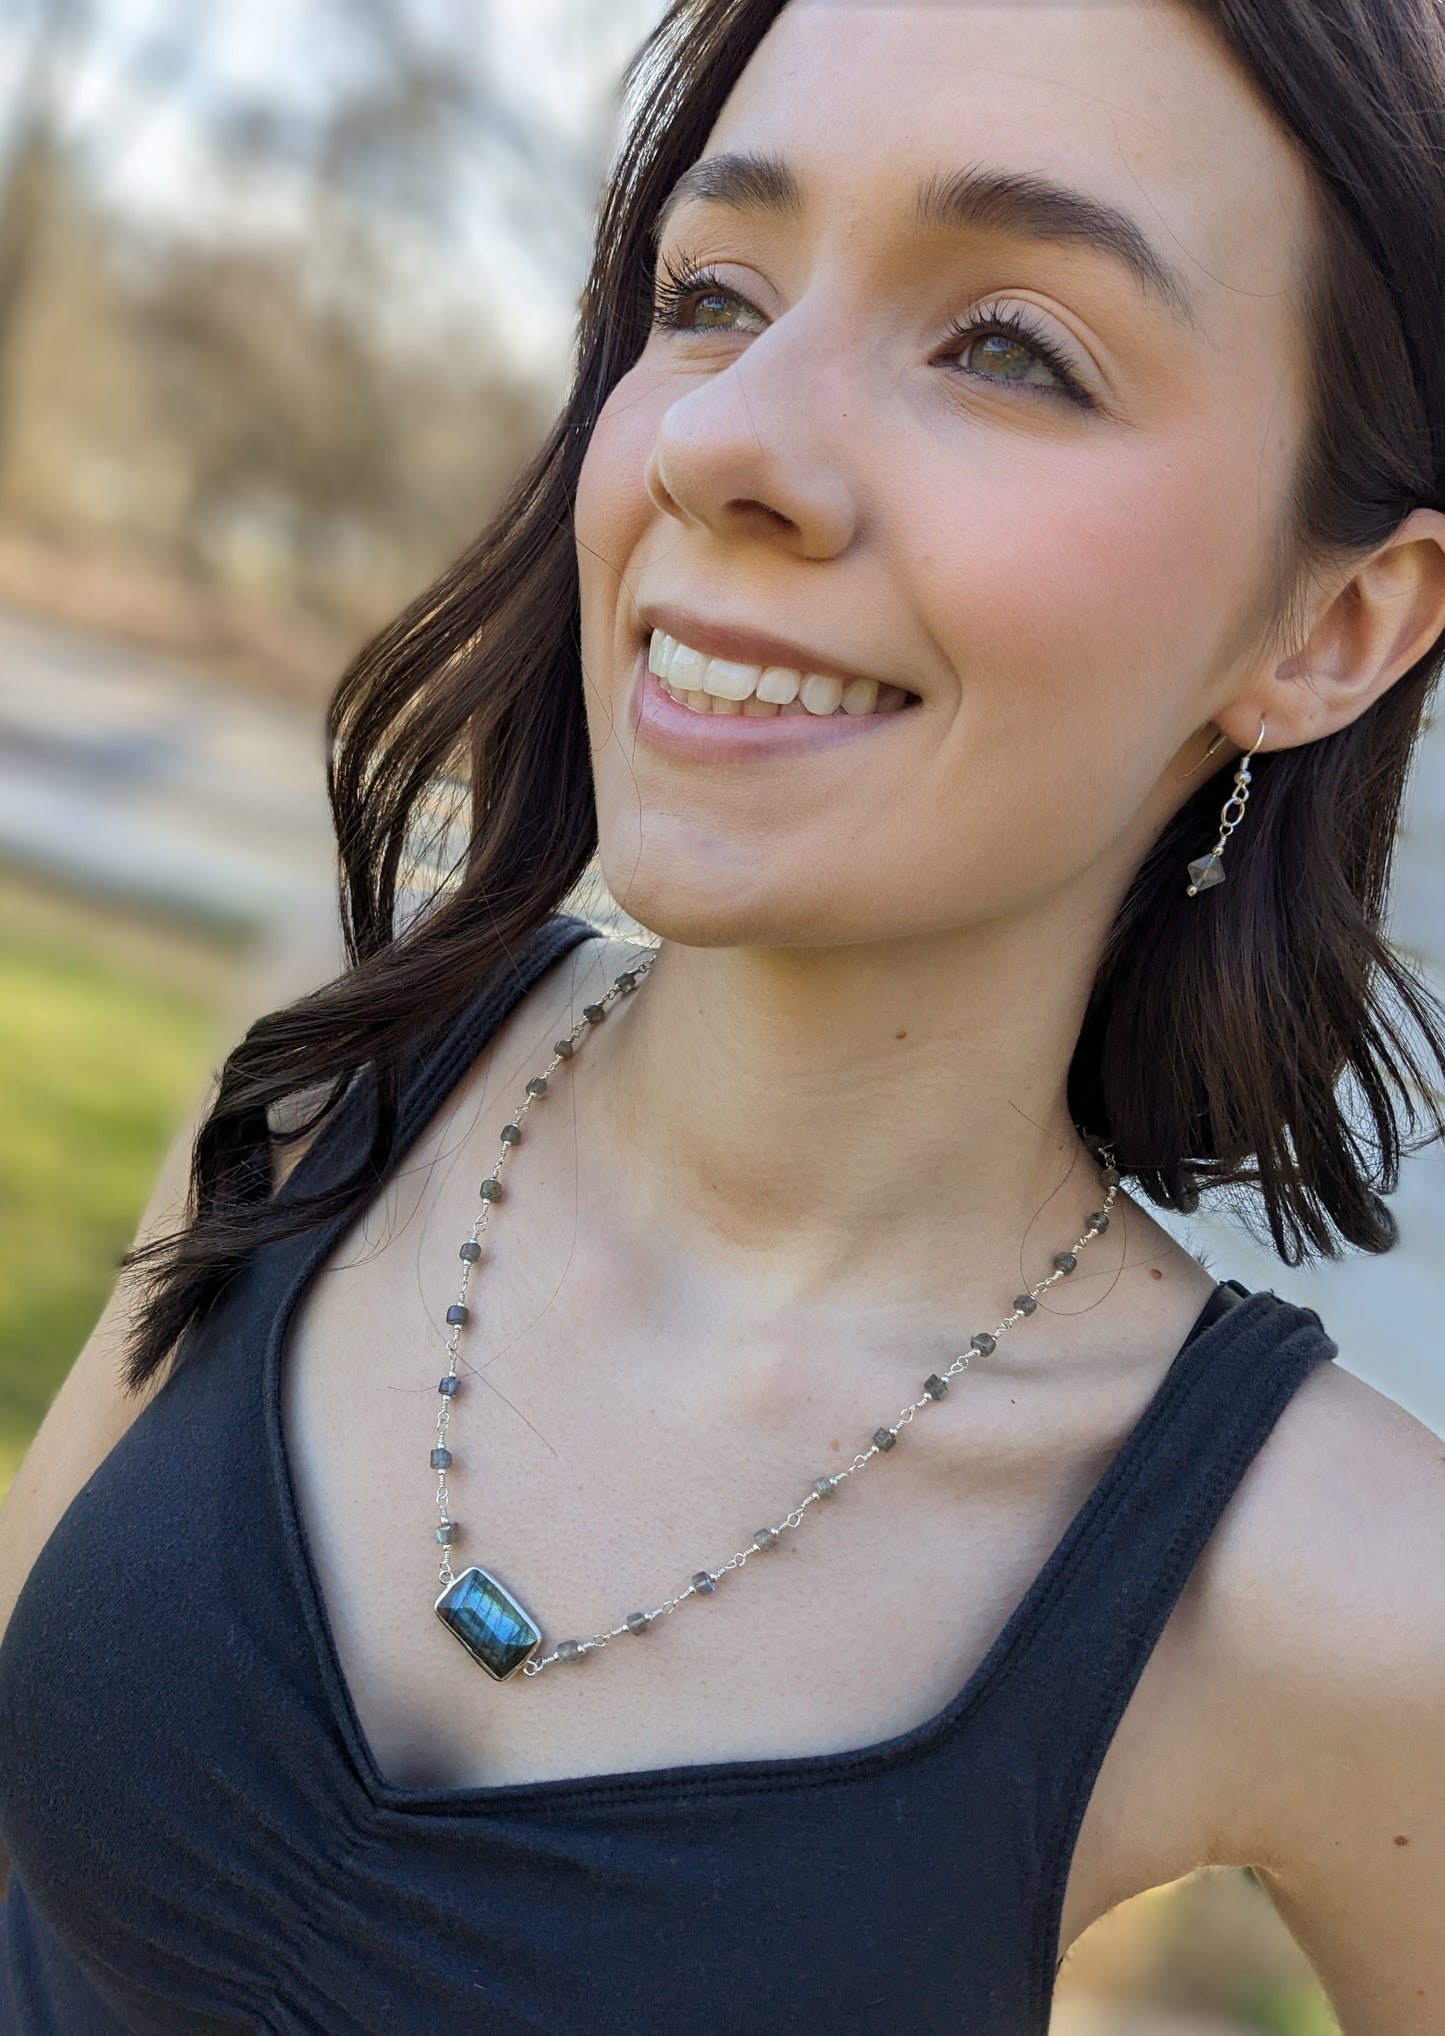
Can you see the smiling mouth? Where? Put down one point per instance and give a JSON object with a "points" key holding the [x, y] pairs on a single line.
{"points": [[715, 685]]}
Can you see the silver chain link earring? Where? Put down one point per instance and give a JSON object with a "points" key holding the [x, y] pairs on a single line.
{"points": [[1209, 869]]}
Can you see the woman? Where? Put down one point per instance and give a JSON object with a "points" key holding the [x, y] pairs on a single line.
{"points": [[1042, 410]]}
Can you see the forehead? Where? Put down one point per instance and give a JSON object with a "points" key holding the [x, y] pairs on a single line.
{"points": [[1131, 101]]}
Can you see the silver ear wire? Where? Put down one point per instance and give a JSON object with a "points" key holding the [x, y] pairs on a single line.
{"points": [[1209, 869], [1219, 738]]}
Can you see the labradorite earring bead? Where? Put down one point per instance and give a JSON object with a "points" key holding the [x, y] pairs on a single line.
{"points": [[1208, 870], [494, 1626]]}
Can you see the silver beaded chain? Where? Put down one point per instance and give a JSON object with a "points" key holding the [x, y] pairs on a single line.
{"points": [[705, 1581]]}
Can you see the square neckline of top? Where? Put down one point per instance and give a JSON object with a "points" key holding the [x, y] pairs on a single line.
{"points": [[760, 1771], [775, 1770]]}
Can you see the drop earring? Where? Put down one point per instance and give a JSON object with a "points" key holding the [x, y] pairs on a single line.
{"points": [[1209, 869]]}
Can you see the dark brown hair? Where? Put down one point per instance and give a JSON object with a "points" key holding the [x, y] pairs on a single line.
{"points": [[1268, 1038]]}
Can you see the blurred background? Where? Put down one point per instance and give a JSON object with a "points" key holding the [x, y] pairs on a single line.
{"points": [[287, 291]]}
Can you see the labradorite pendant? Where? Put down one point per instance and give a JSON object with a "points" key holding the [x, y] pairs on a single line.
{"points": [[491, 1625]]}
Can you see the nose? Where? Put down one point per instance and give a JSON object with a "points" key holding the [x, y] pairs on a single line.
{"points": [[758, 451]]}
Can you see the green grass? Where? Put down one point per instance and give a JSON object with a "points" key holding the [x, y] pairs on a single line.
{"points": [[106, 1042], [1287, 2008]]}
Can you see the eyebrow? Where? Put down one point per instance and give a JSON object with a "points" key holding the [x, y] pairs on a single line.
{"points": [[975, 199]]}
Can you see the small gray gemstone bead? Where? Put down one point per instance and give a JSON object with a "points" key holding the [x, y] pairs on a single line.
{"points": [[1026, 1304], [441, 1459], [638, 1622], [766, 1538], [705, 1583], [458, 1316], [471, 1251], [569, 1650], [934, 1386], [984, 1344], [885, 1438], [447, 1386], [491, 1189], [1099, 1221], [447, 1532], [1110, 1177], [564, 1047], [594, 1013], [626, 981], [511, 1134], [537, 1086], [825, 1487], [1064, 1261]]}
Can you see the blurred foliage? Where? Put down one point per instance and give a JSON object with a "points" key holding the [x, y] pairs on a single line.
{"points": [[277, 395], [1286, 2008], [85, 995], [1209, 1944]]}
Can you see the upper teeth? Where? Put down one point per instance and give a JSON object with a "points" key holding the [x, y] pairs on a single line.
{"points": [[690, 674]]}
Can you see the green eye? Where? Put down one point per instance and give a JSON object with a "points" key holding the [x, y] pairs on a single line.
{"points": [[676, 290], [1013, 360], [707, 307], [1014, 348]]}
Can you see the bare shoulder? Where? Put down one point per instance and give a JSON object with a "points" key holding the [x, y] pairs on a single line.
{"points": [[1323, 1607], [1336, 1536]]}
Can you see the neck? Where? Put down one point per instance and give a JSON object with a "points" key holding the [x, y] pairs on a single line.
{"points": [[868, 1119]]}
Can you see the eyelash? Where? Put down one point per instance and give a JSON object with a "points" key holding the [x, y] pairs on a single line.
{"points": [[677, 282]]}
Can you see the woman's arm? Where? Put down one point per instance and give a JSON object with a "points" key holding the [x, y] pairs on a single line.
{"points": [[1336, 1628]]}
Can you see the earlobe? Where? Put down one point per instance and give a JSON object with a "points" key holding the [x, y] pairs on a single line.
{"points": [[1384, 618]]}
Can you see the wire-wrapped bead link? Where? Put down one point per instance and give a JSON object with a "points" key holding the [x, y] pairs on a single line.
{"points": [[705, 1582]]}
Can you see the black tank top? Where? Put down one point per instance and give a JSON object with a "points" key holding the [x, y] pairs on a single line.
{"points": [[202, 1842]]}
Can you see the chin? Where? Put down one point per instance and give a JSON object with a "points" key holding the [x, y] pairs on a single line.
{"points": [[693, 908]]}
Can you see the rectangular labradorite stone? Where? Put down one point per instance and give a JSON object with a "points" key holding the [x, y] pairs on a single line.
{"points": [[489, 1622]]}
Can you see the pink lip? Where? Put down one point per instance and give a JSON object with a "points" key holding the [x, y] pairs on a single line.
{"points": [[658, 721]]}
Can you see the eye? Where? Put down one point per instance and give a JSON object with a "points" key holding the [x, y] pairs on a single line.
{"points": [[678, 283], [1008, 337], [1015, 348]]}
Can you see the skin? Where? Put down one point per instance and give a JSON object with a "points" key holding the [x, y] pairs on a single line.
{"points": [[876, 960], [830, 1132]]}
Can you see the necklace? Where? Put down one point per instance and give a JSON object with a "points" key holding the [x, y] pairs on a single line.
{"points": [[493, 1626]]}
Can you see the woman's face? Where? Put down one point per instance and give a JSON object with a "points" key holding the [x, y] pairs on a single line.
{"points": [[1054, 531]]}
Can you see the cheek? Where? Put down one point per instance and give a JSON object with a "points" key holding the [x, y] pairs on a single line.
{"points": [[1102, 589], [1088, 606], [613, 507]]}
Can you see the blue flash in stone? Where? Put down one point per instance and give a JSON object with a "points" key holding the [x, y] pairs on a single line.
{"points": [[491, 1625]]}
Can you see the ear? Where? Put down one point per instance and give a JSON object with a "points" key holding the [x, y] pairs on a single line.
{"points": [[1372, 630]]}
